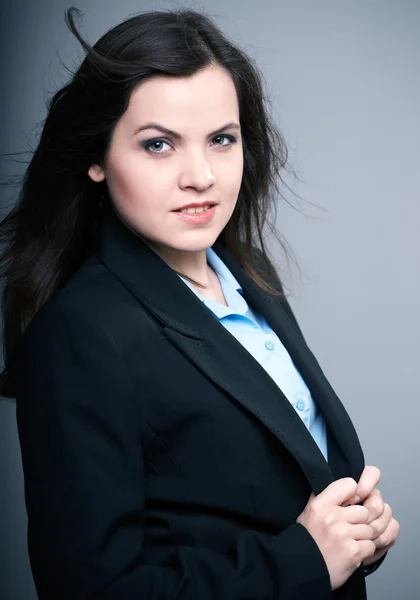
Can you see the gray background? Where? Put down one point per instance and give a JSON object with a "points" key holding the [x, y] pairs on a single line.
{"points": [[344, 81]]}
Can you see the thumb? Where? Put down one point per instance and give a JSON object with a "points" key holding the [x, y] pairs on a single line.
{"points": [[368, 480], [338, 492]]}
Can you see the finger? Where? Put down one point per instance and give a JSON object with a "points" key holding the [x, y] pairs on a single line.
{"points": [[360, 532], [337, 492], [380, 524], [389, 536], [378, 554], [355, 514], [367, 548], [368, 480], [375, 505]]}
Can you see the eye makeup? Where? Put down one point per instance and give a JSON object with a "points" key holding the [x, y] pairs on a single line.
{"points": [[148, 144]]}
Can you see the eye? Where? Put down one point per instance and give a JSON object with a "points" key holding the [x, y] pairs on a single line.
{"points": [[155, 146], [223, 138]]}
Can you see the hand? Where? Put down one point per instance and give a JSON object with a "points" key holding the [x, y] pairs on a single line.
{"points": [[385, 527], [341, 532]]}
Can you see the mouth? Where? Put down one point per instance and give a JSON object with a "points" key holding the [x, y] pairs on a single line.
{"points": [[195, 207], [192, 210], [196, 214]]}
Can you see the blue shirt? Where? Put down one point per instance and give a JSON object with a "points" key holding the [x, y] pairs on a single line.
{"points": [[255, 334]]}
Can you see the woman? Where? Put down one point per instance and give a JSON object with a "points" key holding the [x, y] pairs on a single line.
{"points": [[178, 438]]}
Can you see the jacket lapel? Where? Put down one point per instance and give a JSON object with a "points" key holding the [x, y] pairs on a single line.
{"points": [[336, 417], [194, 330]]}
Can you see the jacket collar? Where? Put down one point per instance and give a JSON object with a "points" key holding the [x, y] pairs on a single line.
{"points": [[191, 327]]}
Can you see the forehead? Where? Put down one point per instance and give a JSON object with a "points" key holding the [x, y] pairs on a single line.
{"points": [[201, 100]]}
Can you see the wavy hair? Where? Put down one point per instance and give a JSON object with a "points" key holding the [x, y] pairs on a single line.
{"points": [[51, 229]]}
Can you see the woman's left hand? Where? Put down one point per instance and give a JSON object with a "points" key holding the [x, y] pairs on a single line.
{"points": [[385, 527]]}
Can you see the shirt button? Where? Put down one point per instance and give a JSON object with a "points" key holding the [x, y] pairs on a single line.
{"points": [[300, 405], [269, 345]]}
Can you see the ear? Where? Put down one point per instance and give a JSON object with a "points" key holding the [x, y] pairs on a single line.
{"points": [[96, 173]]}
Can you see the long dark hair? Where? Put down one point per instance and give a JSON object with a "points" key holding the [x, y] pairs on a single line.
{"points": [[51, 229]]}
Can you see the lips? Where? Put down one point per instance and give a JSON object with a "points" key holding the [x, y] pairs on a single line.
{"points": [[196, 218], [195, 207], [195, 210]]}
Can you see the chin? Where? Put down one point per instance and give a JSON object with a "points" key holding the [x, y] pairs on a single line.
{"points": [[199, 242], [188, 241]]}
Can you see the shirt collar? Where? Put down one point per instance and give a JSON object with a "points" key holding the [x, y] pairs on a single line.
{"points": [[230, 286]]}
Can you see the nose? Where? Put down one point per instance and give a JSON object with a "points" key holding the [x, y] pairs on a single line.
{"points": [[196, 173]]}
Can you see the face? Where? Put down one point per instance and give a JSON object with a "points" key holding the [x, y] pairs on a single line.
{"points": [[178, 143]]}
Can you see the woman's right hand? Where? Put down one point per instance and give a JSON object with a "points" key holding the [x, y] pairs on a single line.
{"points": [[341, 532]]}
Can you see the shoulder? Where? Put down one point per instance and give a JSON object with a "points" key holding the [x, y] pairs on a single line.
{"points": [[93, 300], [263, 264]]}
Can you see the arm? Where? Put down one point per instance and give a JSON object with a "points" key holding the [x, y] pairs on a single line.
{"points": [[85, 489], [270, 273]]}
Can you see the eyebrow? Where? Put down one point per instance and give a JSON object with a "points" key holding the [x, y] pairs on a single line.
{"points": [[178, 136]]}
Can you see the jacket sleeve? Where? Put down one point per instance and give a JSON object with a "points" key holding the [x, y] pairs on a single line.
{"points": [[85, 488], [374, 566]]}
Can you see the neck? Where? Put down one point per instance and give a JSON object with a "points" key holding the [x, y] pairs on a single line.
{"points": [[192, 264]]}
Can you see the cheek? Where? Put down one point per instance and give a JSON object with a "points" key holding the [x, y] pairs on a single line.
{"points": [[138, 184], [230, 175]]}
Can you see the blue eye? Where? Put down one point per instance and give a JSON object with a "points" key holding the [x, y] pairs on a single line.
{"points": [[231, 139], [154, 146]]}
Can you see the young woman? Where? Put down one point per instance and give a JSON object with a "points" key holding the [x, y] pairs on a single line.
{"points": [[178, 438]]}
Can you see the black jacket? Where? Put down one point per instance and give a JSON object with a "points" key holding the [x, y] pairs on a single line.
{"points": [[160, 459]]}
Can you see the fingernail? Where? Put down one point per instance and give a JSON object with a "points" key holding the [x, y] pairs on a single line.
{"points": [[356, 499]]}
